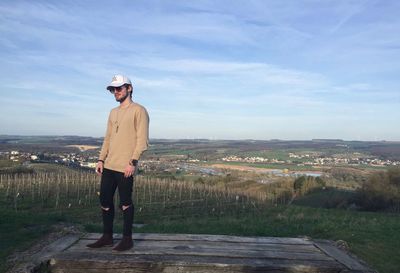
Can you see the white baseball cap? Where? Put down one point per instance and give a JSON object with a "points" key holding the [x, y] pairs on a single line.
{"points": [[117, 81]]}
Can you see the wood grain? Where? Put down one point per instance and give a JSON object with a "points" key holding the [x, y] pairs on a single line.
{"points": [[198, 253]]}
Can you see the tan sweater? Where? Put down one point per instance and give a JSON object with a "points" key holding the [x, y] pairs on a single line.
{"points": [[127, 136]]}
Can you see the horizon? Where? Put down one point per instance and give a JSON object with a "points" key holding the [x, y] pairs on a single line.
{"points": [[204, 70], [208, 139]]}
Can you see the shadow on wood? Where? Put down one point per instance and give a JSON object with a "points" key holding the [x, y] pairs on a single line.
{"points": [[206, 253]]}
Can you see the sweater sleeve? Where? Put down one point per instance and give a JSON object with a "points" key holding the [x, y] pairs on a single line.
{"points": [[106, 142], [142, 132]]}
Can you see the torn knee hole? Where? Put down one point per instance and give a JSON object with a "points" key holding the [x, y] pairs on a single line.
{"points": [[125, 207], [106, 209]]}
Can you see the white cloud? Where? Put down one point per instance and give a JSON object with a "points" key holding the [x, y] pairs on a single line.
{"points": [[276, 60]]}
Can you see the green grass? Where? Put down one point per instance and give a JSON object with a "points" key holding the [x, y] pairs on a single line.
{"points": [[371, 236], [51, 167], [5, 163], [21, 229], [270, 154], [291, 167], [326, 198]]}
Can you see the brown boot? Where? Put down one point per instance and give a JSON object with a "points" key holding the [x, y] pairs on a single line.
{"points": [[125, 244], [105, 240]]}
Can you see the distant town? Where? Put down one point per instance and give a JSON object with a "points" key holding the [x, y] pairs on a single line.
{"points": [[353, 160], [205, 158], [89, 161]]}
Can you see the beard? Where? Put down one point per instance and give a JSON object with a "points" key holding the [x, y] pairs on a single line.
{"points": [[123, 98]]}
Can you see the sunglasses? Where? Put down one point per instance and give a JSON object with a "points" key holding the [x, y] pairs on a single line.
{"points": [[116, 89]]}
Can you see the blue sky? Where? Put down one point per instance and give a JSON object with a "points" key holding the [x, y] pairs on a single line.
{"points": [[204, 69]]}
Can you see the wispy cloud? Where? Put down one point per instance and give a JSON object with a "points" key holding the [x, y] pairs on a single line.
{"points": [[350, 10], [260, 63]]}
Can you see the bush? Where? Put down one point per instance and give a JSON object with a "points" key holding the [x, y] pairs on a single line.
{"points": [[305, 184], [381, 191]]}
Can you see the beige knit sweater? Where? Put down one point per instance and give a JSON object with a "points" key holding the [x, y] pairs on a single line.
{"points": [[127, 136]]}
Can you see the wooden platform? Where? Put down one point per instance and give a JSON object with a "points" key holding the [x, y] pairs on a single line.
{"points": [[205, 253]]}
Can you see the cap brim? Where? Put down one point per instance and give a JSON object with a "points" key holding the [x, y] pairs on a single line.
{"points": [[111, 86]]}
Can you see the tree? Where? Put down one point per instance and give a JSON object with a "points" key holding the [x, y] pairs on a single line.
{"points": [[381, 191], [305, 184]]}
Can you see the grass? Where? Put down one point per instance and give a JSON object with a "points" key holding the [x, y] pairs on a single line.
{"points": [[5, 163], [170, 207], [21, 229], [371, 236], [270, 154], [50, 167], [291, 167], [326, 198]]}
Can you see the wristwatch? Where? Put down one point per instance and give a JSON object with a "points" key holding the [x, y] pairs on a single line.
{"points": [[133, 162]]}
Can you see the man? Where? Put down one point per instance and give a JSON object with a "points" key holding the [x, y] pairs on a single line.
{"points": [[125, 141]]}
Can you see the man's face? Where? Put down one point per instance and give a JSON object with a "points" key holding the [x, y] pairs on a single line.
{"points": [[120, 93]]}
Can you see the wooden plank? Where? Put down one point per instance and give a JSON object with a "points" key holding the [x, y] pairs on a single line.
{"points": [[207, 237], [352, 263], [198, 253], [217, 250], [190, 268], [56, 247], [104, 262], [233, 245], [39, 254], [221, 245]]}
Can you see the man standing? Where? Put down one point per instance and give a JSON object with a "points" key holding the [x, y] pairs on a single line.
{"points": [[125, 140]]}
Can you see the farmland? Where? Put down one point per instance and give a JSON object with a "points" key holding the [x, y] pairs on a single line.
{"points": [[186, 187], [32, 203]]}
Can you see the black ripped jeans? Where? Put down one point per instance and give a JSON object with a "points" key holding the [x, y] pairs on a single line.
{"points": [[110, 181]]}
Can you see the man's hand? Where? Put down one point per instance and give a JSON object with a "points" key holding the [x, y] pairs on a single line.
{"points": [[99, 167], [129, 170]]}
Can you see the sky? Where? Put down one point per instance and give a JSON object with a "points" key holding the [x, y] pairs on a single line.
{"points": [[267, 69]]}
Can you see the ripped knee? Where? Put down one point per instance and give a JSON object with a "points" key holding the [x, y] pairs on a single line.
{"points": [[104, 208], [124, 207]]}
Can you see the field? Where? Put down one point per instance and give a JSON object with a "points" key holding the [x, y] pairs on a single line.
{"points": [[260, 167], [241, 198], [83, 148], [32, 203]]}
